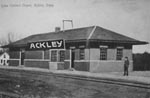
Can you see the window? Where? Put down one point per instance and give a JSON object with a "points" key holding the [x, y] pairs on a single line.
{"points": [[82, 54], [119, 53], [54, 56], [103, 53], [62, 55], [4, 56]]}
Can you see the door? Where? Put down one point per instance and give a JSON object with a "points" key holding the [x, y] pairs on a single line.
{"points": [[72, 58], [22, 58]]}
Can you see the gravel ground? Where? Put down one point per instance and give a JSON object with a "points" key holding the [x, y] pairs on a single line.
{"points": [[59, 88], [26, 88]]}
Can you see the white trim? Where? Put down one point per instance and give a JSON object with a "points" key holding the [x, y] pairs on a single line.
{"points": [[120, 47], [20, 59], [57, 54], [103, 46], [14, 59], [56, 62], [49, 55], [82, 46], [64, 43], [66, 60], [70, 58], [56, 49], [36, 59], [92, 32], [100, 61], [72, 47]]}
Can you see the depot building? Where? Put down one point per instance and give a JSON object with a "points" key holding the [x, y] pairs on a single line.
{"points": [[92, 49]]}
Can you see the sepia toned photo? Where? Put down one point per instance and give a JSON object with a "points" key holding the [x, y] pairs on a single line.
{"points": [[74, 49]]}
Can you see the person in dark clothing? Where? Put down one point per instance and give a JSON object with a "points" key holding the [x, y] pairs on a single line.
{"points": [[126, 66]]}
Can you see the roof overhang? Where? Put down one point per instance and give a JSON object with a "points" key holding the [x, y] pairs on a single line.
{"points": [[120, 41], [85, 40]]}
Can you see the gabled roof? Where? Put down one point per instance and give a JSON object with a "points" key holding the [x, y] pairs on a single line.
{"points": [[85, 33]]}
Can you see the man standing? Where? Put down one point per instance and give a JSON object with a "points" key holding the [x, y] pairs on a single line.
{"points": [[126, 66]]}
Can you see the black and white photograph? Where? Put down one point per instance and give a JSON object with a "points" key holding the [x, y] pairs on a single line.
{"points": [[74, 48]]}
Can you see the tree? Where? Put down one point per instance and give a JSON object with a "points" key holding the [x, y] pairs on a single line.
{"points": [[9, 39]]}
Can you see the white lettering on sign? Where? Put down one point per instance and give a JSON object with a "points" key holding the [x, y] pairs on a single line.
{"points": [[56, 44], [48, 45], [32, 46], [59, 43], [42, 45], [37, 45]]}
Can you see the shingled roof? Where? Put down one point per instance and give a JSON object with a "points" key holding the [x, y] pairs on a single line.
{"points": [[85, 33]]}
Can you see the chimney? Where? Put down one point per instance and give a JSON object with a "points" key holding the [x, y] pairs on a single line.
{"points": [[57, 29]]}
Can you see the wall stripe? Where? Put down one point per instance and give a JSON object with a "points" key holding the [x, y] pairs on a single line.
{"points": [[100, 61], [14, 59], [36, 60]]}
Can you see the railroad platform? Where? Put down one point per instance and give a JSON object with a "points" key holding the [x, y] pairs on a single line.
{"points": [[112, 77]]}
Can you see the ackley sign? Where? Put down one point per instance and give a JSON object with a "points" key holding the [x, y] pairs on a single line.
{"points": [[41, 45]]}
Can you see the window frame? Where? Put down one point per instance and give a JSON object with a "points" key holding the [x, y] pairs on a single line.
{"points": [[103, 52], [60, 58], [82, 54], [119, 54], [56, 55]]}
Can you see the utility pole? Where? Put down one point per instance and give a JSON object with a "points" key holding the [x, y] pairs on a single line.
{"points": [[71, 21]]}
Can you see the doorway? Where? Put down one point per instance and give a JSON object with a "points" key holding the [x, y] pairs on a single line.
{"points": [[72, 58], [22, 58]]}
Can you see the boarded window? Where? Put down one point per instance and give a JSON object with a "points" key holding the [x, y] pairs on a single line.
{"points": [[62, 55], [119, 54], [82, 54], [103, 53], [54, 56]]}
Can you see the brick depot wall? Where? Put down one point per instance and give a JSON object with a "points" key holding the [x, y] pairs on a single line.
{"points": [[38, 64], [14, 58], [56, 65], [108, 66], [46, 54], [94, 54], [128, 53], [81, 66], [111, 54], [111, 64], [33, 54], [60, 65], [14, 54], [67, 54], [14, 62], [67, 65]]}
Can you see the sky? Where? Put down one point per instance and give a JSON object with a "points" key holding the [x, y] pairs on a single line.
{"points": [[26, 17]]}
